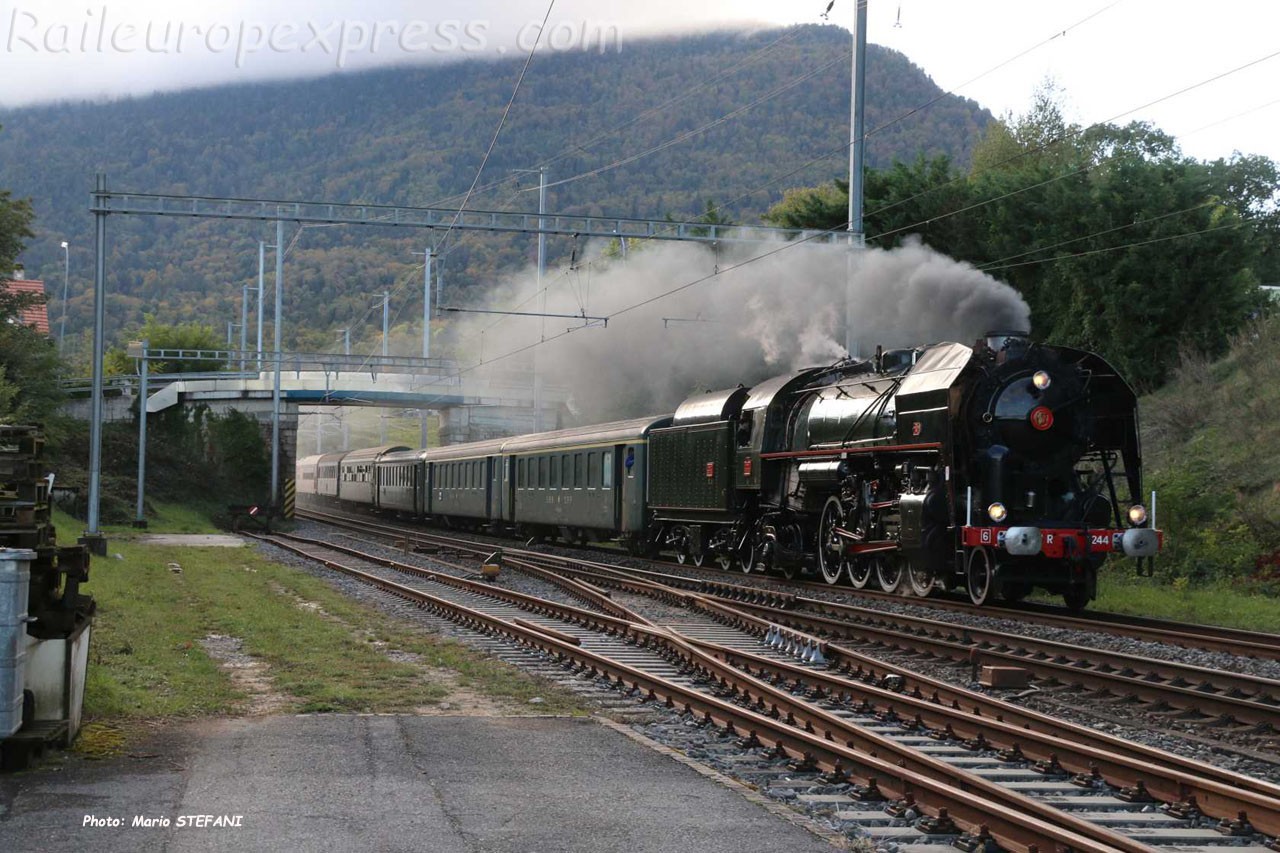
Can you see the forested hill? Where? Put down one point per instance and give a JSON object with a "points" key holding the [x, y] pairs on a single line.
{"points": [[754, 107]]}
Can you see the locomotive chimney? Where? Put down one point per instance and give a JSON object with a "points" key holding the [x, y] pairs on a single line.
{"points": [[879, 362]]}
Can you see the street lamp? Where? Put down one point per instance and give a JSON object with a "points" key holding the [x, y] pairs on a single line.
{"points": [[66, 274]]}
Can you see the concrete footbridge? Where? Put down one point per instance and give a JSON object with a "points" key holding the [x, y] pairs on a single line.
{"points": [[470, 403]]}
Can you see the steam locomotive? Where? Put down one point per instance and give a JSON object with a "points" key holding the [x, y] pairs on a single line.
{"points": [[995, 468]]}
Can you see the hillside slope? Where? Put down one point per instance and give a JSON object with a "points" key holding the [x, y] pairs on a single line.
{"points": [[1211, 440], [416, 135]]}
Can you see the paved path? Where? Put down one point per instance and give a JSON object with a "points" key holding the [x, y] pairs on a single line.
{"points": [[187, 540], [390, 783]]}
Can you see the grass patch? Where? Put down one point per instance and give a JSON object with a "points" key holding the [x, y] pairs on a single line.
{"points": [[1212, 604], [322, 650], [166, 518]]}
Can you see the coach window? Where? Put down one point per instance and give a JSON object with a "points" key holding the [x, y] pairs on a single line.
{"points": [[606, 470], [555, 473], [566, 470], [519, 473], [577, 471], [593, 469], [542, 472]]}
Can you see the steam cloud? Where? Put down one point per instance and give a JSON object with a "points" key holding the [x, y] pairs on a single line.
{"points": [[771, 316]]}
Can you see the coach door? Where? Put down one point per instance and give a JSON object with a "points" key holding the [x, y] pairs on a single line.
{"points": [[498, 499]]}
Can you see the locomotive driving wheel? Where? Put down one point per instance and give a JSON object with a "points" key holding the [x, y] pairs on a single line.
{"points": [[921, 578], [831, 560], [860, 571], [889, 571], [980, 576]]}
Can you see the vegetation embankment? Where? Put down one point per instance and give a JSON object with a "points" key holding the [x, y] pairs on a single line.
{"points": [[1210, 440]]}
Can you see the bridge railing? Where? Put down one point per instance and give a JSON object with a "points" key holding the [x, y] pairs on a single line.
{"points": [[334, 364]]}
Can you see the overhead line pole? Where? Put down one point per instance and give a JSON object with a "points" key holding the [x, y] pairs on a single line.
{"points": [[386, 322], [244, 324], [857, 97], [97, 542], [275, 387], [140, 518]]}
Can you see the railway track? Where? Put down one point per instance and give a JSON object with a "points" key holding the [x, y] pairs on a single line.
{"points": [[1254, 644], [902, 754], [1175, 692], [1231, 640]]}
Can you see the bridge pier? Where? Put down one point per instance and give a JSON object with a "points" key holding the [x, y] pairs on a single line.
{"points": [[260, 411]]}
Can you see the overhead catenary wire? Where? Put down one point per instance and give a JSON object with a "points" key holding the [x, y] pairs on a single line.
{"points": [[1050, 143], [501, 123], [714, 123], [843, 148], [996, 263], [1237, 224]]}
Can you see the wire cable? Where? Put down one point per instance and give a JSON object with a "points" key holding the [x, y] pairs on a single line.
{"points": [[1056, 141], [501, 123], [1133, 245]]}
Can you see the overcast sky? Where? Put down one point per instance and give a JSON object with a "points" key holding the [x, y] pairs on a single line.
{"points": [[1129, 53]]}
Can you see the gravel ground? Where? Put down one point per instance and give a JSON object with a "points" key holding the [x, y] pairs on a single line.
{"points": [[511, 580]]}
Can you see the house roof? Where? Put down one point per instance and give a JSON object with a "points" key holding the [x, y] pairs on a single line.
{"points": [[36, 316]]}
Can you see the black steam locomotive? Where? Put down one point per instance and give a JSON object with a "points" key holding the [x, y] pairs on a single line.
{"points": [[996, 468]]}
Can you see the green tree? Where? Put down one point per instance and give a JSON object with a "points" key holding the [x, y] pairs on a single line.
{"points": [[1118, 242], [162, 336], [16, 217], [29, 367], [825, 206]]}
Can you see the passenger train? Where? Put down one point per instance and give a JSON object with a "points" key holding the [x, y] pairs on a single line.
{"points": [[995, 468]]}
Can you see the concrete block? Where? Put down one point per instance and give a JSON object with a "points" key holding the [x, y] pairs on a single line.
{"points": [[1003, 677]]}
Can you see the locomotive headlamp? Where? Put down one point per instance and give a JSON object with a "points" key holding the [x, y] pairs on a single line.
{"points": [[1041, 379], [1137, 514], [997, 512]]}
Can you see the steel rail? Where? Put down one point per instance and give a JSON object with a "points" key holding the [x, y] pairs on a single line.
{"points": [[1052, 663], [1234, 641], [1189, 786], [1168, 777]]}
